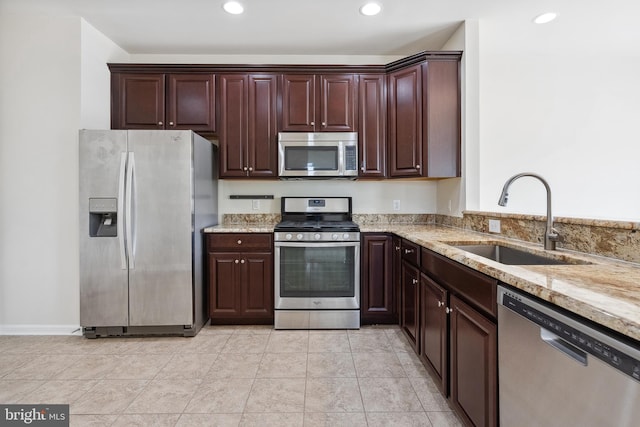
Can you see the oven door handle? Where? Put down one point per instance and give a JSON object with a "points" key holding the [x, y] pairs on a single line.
{"points": [[315, 244]]}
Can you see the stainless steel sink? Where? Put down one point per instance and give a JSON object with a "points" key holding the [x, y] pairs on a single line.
{"points": [[514, 256]]}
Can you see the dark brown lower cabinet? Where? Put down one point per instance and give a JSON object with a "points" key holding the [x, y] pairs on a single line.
{"points": [[473, 364], [240, 271], [410, 304], [378, 297], [458, 336], [433, 330]]}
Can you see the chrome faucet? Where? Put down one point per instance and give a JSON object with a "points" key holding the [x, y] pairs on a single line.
{"points": [[551, 234]]}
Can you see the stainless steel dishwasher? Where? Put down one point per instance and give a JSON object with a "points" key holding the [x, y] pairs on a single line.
{"points": [[555, 370]]}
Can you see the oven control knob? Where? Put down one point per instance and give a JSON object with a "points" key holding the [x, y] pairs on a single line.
{"points": [[288, 236], [334, 236], [299, 236], [345, 236], [317, 236]]}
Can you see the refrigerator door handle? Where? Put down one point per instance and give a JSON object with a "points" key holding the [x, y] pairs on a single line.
{"points": [[129, 214], [120, 213]]}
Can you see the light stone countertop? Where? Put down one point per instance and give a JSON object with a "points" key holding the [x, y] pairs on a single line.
{"points": [[605, 291]]}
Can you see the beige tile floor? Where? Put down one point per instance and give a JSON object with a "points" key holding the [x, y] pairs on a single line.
{"points": [[227, 376]]}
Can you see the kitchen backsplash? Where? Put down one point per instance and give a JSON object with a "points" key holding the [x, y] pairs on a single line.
{"points": [[613, 239]]}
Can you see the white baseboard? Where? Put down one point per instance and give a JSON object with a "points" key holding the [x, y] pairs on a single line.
{"points": [[40, 330]]}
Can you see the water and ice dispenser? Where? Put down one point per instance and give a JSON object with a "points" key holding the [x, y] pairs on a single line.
{"points": [[103, 217]]}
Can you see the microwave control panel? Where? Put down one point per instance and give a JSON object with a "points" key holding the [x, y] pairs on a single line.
{"points": [[350, 158]]}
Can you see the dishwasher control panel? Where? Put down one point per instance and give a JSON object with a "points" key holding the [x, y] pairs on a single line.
{"points": [[606, 348]]}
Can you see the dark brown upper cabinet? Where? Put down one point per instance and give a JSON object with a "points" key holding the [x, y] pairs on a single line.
{"points": [[248, 125], [424, 120], [372, 125], [405, 122], [406, 113], [163, 101], [319, 103]]}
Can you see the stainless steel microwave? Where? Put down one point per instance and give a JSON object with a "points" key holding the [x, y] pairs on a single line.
{"points": [[318, 155]]}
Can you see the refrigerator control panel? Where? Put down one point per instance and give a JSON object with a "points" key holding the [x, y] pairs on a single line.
{"points": [[100, 205]]}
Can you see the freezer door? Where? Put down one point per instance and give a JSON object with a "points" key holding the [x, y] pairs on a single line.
{"points": [[160, 228], [103, 264]]}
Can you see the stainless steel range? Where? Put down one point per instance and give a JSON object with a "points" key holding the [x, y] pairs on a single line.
{"points": [[317, 265]]}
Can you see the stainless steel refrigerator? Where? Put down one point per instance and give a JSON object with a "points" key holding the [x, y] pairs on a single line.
{"points": [[145, 196]]}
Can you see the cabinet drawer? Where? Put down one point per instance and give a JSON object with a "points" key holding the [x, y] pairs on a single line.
{"points": [[239, 241], [410, 252], [476, 288]]}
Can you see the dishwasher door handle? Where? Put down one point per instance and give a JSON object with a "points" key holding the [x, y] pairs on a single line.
{"points": [[561, 345]]}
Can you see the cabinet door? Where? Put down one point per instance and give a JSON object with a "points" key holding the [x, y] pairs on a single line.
{"points": [[433, 329], [410, 304], [378, 297], [397, 273], [298, 102], [190, 103], [138, 101], [262, 121], [337, 103], [442, 118], [405, 122], [473, 364], [233, 125], [372, 119], [257, 285], [224, 284]]}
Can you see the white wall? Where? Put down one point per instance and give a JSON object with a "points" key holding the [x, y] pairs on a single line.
{"points": [[50, 87], [368, 196], [40, 115], [95, 85], [568, 115]]}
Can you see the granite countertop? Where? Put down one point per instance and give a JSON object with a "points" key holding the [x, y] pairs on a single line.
{"points": [[240, 228], [604, 290]]}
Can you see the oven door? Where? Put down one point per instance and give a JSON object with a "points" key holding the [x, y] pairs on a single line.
{"points": [[317, 276]]}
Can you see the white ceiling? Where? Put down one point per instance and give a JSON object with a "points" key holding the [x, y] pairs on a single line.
{"points": [[335, 27]]}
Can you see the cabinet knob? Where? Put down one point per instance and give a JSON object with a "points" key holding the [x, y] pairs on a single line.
{"points": [[409, 251], [440, 303], [171, 124], [312, 123], [414, 281], [324, 124], [245, 168], [397, 248], [448, 310], [418, 167], [241, 261], [239, 242], [237, 261], [250, 169], [159, 123]]}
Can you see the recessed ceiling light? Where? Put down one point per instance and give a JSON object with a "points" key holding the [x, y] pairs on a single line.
{"points": [[233, 7], [370, 9], [545, 17]]}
